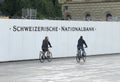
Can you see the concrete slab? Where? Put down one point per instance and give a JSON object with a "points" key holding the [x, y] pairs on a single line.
{"points": [[96, 69]]}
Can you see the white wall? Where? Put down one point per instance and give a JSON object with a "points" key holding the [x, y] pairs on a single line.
{"points": [[26, 45]]}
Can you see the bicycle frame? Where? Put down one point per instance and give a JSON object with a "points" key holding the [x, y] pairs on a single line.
{"points": [[45, 55], [81, 54]]}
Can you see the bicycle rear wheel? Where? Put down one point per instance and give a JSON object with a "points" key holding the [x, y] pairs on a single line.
{"points": [[41, 57], [78, 58], [49, 56]]}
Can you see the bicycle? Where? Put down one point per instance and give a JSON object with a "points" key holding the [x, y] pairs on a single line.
{"points": [[80, 55], [45, 56]]}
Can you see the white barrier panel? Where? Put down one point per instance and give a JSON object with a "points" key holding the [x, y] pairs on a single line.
{"points": [[22, 39]]}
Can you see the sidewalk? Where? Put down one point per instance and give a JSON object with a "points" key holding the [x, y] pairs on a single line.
{"points": [[97, 69]]}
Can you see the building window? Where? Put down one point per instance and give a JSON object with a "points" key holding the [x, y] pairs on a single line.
{"points": [[88, 17], [108, 17], [68, 0], [65, 8], [68, 17]]}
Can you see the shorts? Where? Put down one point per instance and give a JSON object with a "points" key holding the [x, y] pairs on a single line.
{"points": [[45, 50]]}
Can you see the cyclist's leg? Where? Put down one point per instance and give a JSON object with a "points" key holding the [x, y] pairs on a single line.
{"points": [[48, 52], [83, 51], [44, 51], [83, 55], [78, 55], [80, 52]]}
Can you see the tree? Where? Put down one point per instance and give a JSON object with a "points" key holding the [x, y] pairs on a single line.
{"points": [[11, 8], [45, 8]]}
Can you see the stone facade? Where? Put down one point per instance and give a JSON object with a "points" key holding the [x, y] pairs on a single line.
{"points": [[95, 10]]}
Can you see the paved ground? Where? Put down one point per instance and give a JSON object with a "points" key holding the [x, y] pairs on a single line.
{"points": [[96, 69]]}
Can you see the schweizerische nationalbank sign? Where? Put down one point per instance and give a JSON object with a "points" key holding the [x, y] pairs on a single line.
{"points": [[50, 28]]}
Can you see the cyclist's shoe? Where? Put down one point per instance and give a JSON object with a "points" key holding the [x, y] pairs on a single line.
{"points": [[48, 56], [83, 55], [45, 57], [42, 57]]}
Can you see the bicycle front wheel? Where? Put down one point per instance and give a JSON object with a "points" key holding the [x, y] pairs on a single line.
{"points": [[41, 57], [49, 56]]}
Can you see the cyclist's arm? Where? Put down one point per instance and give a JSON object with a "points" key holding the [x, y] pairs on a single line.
{"points": [[85, 44], [49, 44]]}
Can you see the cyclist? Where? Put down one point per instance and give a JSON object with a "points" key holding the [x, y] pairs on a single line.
{"points": [[80, 44], [45, 44]]}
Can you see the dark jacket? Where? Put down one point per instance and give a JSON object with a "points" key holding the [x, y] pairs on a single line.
{"points": [[80, 44], [45, 44]]}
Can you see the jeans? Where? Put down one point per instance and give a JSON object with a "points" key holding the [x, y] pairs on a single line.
{"points": [[82, 50]]}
